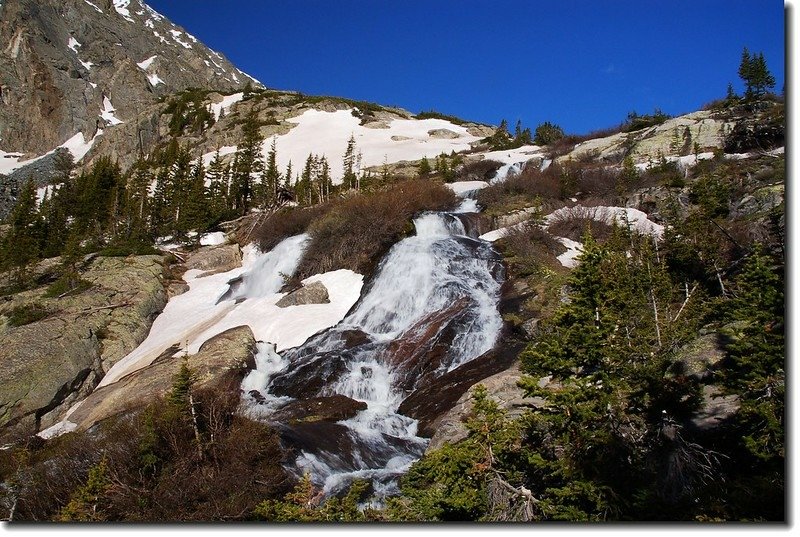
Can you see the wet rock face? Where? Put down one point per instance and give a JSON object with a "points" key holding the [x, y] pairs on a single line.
{"points": [[334, 408], [435, 398], [313, 293], [48, 364]]}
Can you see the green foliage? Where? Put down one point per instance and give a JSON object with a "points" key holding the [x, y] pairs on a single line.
{"points": [[86, 504], [756, 354], [304, 504], [26, 314], [754, 73], [712, 194], [547, 133], [181, 385], [69, 283], [635, 121], [188, 111], [433, 114], [20, 246]]}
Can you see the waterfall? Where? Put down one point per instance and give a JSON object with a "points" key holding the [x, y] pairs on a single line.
{"points": [[438, 288]]}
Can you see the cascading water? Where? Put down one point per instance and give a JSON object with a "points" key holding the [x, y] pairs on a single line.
{"points": [[431, 307]]}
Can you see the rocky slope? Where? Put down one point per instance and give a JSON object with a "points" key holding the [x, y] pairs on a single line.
{"points": [[66, 60], [60, 354]]}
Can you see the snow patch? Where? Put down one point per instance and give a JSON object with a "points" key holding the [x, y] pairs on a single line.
{"points": [[86, 65], [569, 258], [73, 45], [154, 79], [214, 303], [461, 188], [108, 113], [144, 65], [121, 6], [94, 6], [213, 239], [75, 145], [637, 219], [176, 34], [326, 134], [227, 102]]}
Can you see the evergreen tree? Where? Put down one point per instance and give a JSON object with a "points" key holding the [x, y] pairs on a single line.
{"points": [[547, 133], [424, 167], [272, 177], [349, 174], [21, 244], [754, 73]]}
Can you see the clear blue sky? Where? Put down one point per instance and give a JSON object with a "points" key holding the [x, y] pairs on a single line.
{"points": [[581, 64]]}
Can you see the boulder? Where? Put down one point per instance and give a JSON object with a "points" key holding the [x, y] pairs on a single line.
{"points": [[716, 409], [215, 259], [698, 358], [221, 362], [312, 293], [334, 408], [443, 133]]}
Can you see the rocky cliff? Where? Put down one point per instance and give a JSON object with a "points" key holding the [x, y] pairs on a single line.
{"points": [[79, 67]]}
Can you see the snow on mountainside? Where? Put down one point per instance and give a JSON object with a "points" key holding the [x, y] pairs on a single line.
{"points": [[64, 60]]}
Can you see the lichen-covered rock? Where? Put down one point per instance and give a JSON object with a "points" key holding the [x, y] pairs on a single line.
{"points": [[221, 361], [48, 364], [215, 259]]}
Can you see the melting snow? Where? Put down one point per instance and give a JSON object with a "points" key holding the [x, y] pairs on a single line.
{"points": [[73, 45], [87, 65], [94, 6], [213, 239], [122, 8], [462, 188], [147, 63], [196, 315], [176, 37], [76, 145], [154, 79], [569, 258], [637, 219], [227, 102], [108, 112]]}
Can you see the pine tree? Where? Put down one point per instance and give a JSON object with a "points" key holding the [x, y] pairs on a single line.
{"points": [[424, 167], [21, 244], [272, 177], [746, 73], [349, 174]]}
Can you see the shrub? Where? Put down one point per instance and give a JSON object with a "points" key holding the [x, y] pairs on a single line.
{"points": [[357, 231], [530, 247], [528, 185], [547, 133], [573, 222], [635, 122], [286, 223]]}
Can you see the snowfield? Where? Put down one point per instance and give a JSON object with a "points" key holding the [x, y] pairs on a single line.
{"points": [[192, 318], [327, 133]]}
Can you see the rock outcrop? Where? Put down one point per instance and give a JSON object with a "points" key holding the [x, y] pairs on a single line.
{"points": [[62, 58], [215, 259], [221, 362], [48, 364]]}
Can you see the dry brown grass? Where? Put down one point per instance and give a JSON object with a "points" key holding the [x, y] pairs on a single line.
{"points": [[573, 222], [357, 231]]}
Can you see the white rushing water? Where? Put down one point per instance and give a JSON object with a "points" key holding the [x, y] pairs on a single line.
{"points": [[439, 269]]}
